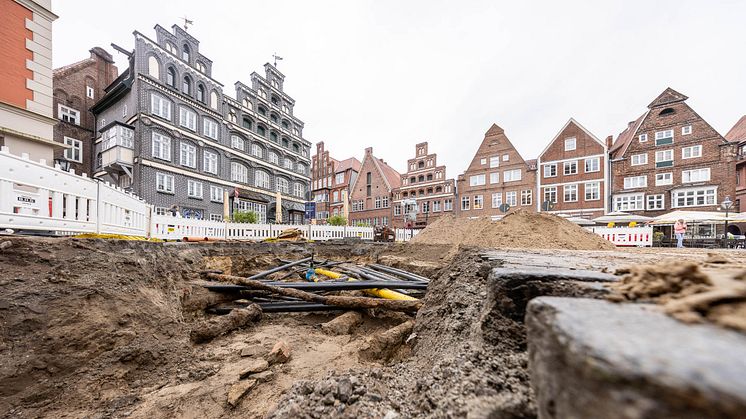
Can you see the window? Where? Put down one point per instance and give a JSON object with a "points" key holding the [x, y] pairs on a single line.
{"points": [[635, 182], [506, 157], [210, 162], [511, 198], [664, 158], [170, 48], [436, 206], [550, 194], [694, 197], [570, 144], [185, 53], [194, 189], [274, 158], [483, 161], [664, 137], [570, 167], [161, 147], [592, 191], [377, 203], [447, 205], [632, 202], [68, 114], [663, 179], [550, 170], [335, 196], [287, 163], [478, 202], [246, 122], [686, 130], [397, 210], [187, 118], [494, 177], [497, 200], [261, 179], [570, 193], [691, 152], [216, 217], [239, 173], [186, 85], [477, 180], [160, 106], [655, 202], [695, 175], [282, 185], [256, 150], [188, 155], [201, 67], [385, 201], [216, 193], [339, 178], [89, 92], [593, 165], [512, 175], [643, 138], [75, 152], [465, 203], [171, 77], [237, 142], [494, 161], [639, 159], [261, 130], [154, 68], [299, 190], [201, 93], [526, 197], [210, 128], [164, 182]]}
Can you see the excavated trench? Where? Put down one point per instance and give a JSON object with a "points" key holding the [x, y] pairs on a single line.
{"points": [[95, 328]]}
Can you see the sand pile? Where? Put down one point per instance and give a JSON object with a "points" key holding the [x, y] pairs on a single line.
{"points": [[520, 229]]}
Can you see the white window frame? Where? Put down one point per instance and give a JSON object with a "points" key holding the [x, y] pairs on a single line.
{"points": [[209, 128], [506, 157], [494, 178], [339, 178], [595, 164], [194, 189], [572, 190], [164, 182], [687, 175], [661, 156], [662, 179], [550, 194], [274, 157], [282, 185], [210, 161], [638, 159], [239, 172], [662, 135], [160, 106], [658, 201], [594, 189], [238, 143], [187, 155], [76, 149], [482, 161], [256, 150], [187, 118], [527, 197], [643, 138], [478, 202], [570, 165], [261, 179], [511, 198], [477, 180], [68, 114], [510, 175], [708, 194], [497, 199], [629, 202], [571, 144], [160, 146], [465, 203], [686, 130], [549, 169], [494, 161], [634, 182], [216, 193], [695, 151]]}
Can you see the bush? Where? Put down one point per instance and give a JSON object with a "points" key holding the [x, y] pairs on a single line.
{"points": [[658, 236], [249, 217], [337, 220]]}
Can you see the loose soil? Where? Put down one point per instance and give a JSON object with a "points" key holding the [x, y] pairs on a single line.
{"points": [[520, 229]]}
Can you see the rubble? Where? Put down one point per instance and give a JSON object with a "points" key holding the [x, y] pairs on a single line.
{"points": [[239, 390], [343, 324], [256, 366], [279, 354]]}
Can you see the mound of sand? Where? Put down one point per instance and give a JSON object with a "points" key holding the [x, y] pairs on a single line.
{"points": [[520, 229]]}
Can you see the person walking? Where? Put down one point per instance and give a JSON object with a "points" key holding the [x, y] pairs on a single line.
{"points": [[680, 228]]}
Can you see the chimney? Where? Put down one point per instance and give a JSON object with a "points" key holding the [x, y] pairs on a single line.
{"points": [[368, 150], [609, 141]]}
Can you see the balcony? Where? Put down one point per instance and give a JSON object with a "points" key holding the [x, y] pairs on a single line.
{"points": [[117, 154]]}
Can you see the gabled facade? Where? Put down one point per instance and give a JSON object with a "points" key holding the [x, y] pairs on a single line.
{"points": [[572, 173], [330, 183], [371, 194], [737, 135], [77, 87], [670, 158], [426, 183], [345, 175], [167, 132], [497, 175]]}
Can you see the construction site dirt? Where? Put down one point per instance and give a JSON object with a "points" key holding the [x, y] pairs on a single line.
{"points": [[101, 329]]}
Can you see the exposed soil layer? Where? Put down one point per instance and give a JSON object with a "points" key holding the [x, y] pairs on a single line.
{"points": [[520, 229]]}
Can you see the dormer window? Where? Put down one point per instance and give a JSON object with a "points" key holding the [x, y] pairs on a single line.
{"points": [[185, 53]]}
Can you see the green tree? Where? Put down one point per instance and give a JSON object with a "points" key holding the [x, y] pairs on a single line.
{"points": [[337, 220], [249, 217]]}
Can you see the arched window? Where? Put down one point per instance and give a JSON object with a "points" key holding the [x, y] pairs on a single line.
{"points": [[154, 69], [185, 53], [275, 100], [246, 122], [186, 85], [262, 110], [273, 136], [282, 185], [420, 165], [285, 143], [201, 67], [285, 125], [247, 103], [171, 77], [420, 178], [170, 48], [667, 111], [274, 118], [261, 179], [201, 93], [261, 130], [430, 177], [438, 189], [256, 151], [412, 179], [296, 148], [239, 172]]}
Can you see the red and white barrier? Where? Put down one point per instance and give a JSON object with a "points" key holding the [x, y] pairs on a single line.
{"points": [[626, 236]]}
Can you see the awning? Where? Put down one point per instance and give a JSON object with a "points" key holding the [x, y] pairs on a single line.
{"points": [[248, 195], [621, 217], [711, 217]]}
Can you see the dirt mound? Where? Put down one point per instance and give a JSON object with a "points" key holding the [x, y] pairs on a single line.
{"points": [[520, 229]]}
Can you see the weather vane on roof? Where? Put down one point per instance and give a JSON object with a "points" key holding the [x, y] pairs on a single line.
{"points": [[187, 22], [277, 58]]}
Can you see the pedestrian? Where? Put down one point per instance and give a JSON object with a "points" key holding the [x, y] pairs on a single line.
{"points": [[174, 210], [680, 229]]}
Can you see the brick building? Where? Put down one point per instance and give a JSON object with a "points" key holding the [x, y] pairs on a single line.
{"points": [[426, 183], [26, 117], [371, 193], [77, 87], [572, 173], [670, 158], [497, 175], [737, 135], [330, 183]]}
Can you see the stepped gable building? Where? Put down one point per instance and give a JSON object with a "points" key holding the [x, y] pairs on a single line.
{"points": [[670, 158], [77, 87], [330, 183], [572, 173], [737, 135], [497, 175], [26, 115], [371, 193], [168, 132], [426, 183]]}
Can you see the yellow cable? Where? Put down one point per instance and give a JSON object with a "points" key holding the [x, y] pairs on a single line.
{"points": [[378, 292]]}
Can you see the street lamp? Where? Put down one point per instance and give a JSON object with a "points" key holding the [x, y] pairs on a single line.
{"points": [[63, 163], [727, 204]]}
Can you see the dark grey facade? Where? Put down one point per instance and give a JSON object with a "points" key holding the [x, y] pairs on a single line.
{"points": [[168, 133]]}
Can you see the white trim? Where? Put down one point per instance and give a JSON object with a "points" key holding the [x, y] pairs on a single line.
{"points": [[426, 197], [600, 179], [434, 183], [572, 120], [573, 158]]}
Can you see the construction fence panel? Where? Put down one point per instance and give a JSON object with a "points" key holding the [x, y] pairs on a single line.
{"points": [[406, 234], [364, 233], [168, 227], [121, 212], [626, 236]]}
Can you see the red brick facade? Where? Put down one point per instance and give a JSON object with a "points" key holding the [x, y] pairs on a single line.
{"points": [[670, 158], [737, 135], [330, 183], [426, 183], [14, 54], [371, 194], [572, 173], [497, 175]]}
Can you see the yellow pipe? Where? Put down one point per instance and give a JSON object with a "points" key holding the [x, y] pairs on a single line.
{"points": [[378, 292]]}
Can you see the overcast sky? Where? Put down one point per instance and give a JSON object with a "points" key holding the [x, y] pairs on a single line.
{"points": [[390, 74]]}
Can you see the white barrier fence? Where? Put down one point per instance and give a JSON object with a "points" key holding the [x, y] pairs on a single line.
{"points": [[626, 236], [34, 196], [405, 234]]}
